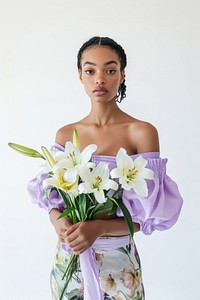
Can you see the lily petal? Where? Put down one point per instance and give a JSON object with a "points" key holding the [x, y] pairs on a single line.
{"points": [[87, 152], [50, 182], [63, 164], [147, 174], [101, 171], [91, 165], [70, 175], [123, 160], [99, 196], [140, 162], [140, 188], [111, 184], [84, 188], [125, 185], [72, 152], [84, 173], [59, 155], [116, 173], [119, 158]]}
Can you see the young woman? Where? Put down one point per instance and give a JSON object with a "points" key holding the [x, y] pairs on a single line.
{"points": [[101, 67]]}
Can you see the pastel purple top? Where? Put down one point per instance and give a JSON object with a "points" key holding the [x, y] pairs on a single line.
{"points": [[158, 211]]}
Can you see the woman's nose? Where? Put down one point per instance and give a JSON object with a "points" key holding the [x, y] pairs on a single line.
{"points": [[100, 79]]}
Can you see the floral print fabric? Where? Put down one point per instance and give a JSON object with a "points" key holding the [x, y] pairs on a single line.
{"points": [[120, 274]]}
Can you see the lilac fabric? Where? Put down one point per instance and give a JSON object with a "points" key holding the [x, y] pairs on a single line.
{"points": [[158, 211], [90, 272]]}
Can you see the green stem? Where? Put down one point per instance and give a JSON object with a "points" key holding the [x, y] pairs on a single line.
{"points": [[74, 218], [117, 191], [72, 258], [69, 272], [124, 295], [126, 213]]}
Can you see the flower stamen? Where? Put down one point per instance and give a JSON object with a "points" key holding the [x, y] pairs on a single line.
{"points": [[72, 156], [132, 174], [96, 185]]}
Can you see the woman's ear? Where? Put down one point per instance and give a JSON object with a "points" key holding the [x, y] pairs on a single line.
{"points": [[80, 75], [122, 76]]}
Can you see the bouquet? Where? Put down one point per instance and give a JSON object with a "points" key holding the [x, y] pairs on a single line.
{"points": [[88, 189]]}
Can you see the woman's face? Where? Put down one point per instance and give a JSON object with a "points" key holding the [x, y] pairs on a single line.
{"points": [[101, 74]]}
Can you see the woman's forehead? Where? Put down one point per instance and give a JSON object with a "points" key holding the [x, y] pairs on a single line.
{"points": [[100, 54]]}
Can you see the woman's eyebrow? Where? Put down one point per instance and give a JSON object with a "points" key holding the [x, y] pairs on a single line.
{"points": [[106, 64], [110, 62]]}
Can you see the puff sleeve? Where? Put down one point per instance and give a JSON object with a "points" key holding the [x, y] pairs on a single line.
{"points": [[161, 208], [42, 197]]}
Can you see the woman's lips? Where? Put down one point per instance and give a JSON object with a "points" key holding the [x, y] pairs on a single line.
{"points": [[100, 91]]}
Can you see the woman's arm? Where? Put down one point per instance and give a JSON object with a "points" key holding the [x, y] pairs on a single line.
{"points": [[115, 227], [61, 225], [82, 235]]}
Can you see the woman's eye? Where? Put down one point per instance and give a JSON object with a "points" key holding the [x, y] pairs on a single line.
{"points": [[89, 72], [110, 71]]}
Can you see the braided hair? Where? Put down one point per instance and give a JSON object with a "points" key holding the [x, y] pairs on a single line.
{"points": [[105, 41]]}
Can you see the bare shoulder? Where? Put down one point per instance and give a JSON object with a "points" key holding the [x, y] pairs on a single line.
{"points": [[144, 129], [145, 136], [65, 133]]}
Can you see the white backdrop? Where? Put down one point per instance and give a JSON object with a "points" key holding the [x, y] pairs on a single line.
{"points": [[40, 92]]}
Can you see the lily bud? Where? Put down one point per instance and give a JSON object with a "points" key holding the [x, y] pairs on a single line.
{"points": [[49, 158], [25, 150], [76, 141]]}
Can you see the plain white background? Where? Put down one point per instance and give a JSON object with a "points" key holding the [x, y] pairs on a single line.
{"points": [[40, 92]]}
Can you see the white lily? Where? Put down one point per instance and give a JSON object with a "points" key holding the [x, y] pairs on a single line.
{"points": [[132, 173], [72, 157], [96, 181], [58, 181]]}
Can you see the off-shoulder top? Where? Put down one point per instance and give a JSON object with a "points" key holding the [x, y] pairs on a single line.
{"points": [[158, 211]]}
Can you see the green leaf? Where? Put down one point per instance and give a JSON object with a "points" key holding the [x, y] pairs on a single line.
{"points": [[74, 202], [82, 201], [78, 214], [62, 194], [25, 150], [114, 208], [53, 189], [126, 213], [74, 217], [91, 198], [101, 207], [66, 212], [84, 204], [90, 208]]}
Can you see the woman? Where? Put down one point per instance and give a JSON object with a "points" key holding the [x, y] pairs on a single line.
{"points": [[101, 66]]}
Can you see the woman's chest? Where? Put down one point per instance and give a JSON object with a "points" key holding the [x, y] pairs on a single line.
{"points": [[108, 141]]}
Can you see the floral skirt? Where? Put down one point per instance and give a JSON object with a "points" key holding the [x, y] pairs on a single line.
{"points": [[120, 274]]}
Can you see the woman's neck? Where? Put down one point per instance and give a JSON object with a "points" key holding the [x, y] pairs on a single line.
{"points": [[103, 114]]}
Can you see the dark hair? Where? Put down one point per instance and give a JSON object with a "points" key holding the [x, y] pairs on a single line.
{"points": [[105, 41]]}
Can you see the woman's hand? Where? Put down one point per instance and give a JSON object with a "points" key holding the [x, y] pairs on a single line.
{"points": [[61, 225], [81, 236]]}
